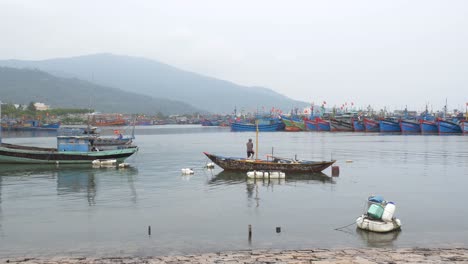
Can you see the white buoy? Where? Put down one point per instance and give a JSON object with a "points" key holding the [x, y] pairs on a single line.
{"points": [[277, 175], [251, 174], [187, 171], [124, 165], [210, 165]]}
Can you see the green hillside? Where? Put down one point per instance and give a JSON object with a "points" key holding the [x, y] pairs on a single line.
{"points": [[22, 86]]}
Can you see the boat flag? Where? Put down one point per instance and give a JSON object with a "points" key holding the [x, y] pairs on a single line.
{"points": [[116, 131]]}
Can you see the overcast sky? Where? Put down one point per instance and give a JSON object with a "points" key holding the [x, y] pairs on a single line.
{"points": [[382, 53]]}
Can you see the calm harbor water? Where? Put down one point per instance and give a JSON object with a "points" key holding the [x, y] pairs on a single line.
{"points": [[78, 210]]}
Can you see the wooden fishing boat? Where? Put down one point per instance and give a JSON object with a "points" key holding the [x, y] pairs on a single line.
{"points": [[71, 149], [293, 124], [275, 164], [263, 125], [410, 126], [371, 125], [340, 125], [16, 154], [449, 127], [389, 125]]}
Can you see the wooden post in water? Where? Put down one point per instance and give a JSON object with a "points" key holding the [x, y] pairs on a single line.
{"points": [[250, 233], [149, 230], [256, 140]]}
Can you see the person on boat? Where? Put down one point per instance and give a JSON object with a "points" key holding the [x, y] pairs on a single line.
{"points": [[120, 136], [250, 151]]}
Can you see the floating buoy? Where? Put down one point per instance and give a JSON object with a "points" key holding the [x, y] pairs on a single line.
{"points": [[107, 162], [187, 171], [349, 161], [266, 174], [210, 165], [277, 175], [124, 165]]}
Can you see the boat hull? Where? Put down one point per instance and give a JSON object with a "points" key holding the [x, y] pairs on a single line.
{"points": [[371, 125], [378, 226], [340, 126], [14, 154], [410, 127], [293, 125], [240, 127], [447, 127], [323, 125], [244, 165], [358, 126], [311, 125], [387, 126], [429, 127]]}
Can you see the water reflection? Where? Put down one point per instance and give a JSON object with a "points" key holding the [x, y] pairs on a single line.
{"points": [[71, 179], [229, 177], [373, 239], [253, 184]]}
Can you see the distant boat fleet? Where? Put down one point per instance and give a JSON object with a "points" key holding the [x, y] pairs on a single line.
{"points": [[423, 125]]}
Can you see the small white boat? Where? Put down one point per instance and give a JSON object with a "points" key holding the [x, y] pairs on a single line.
{"points": [[379, 226]]}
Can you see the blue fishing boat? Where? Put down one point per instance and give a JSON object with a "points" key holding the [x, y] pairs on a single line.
{"points": [[448, 127], [410, 126], [389, 125], [322, 124], [371, 125], [358, 125], [264, 125], [429, 127]]}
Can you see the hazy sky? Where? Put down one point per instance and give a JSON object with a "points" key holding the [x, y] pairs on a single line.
{"points": [[383, 53]]}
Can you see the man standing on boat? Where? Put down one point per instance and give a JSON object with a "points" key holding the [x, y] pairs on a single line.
{"points": [[250, 151]]}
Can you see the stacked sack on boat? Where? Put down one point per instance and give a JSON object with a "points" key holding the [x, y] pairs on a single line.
{"points": [[379, 209]]}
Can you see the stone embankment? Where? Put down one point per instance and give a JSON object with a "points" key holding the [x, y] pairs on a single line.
{"points": [[322, 256]]}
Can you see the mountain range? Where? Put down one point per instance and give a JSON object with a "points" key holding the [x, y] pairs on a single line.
{"points": [[23, 86], [161, 81]]}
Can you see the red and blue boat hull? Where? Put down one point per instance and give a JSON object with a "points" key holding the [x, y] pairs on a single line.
{"points": [[322, 125], [311, 125], [358, 126], [371, 125]]}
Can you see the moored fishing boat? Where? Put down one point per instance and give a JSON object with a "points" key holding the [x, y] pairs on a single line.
{"points": [[448, 127], [264, 125], [71, 149], [371, 125], [337, 125], [293, 124], [322, 124], [410, 126], [429, 127], [275, 164], [311, 124], [358, 125], [389, 125]]}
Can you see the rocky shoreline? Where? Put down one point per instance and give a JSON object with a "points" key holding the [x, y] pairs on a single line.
{"points": [[322, 256]]}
